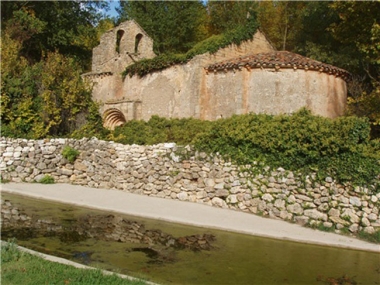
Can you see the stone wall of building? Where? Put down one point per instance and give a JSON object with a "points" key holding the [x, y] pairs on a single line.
{"points": [[173, 172], [271, 91], [172, 92], [201, 89], [120, 47]]}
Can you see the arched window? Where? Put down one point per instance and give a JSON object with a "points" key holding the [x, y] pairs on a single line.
{"points": [[137, 41], [119, 35]]}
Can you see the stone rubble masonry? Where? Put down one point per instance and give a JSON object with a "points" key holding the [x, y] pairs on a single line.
{"points": [[176, 172]]}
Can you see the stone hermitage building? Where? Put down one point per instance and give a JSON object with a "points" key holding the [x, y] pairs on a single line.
{"points": [[249, 78]]}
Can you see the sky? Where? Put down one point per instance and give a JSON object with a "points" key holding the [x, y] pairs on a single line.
{"points": [[112, 12]]}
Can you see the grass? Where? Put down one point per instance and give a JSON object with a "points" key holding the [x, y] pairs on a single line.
{"points": [[47, 179], [70, 153], [375, 237], [18, 267]]}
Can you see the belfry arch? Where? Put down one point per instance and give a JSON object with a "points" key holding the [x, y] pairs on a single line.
{"points": [[113, 118], [137, 42]]}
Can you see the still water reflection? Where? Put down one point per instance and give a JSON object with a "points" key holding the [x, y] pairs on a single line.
{"points": [[169, 253]]}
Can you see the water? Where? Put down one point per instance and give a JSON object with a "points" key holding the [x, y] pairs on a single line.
{"points": [[231, 259]]}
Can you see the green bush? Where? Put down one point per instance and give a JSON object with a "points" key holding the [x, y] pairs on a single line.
{"points": [[70, 153], [340, 148], [158, 130], [47, 179]]}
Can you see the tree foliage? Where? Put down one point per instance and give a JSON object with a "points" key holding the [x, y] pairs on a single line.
{"points": [[225, 16], [175, 26], [44, 48], [48, 26], [281, 21]]}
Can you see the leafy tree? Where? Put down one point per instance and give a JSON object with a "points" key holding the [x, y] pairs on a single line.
{"points": [[358, 27], [175, 26], [228, 15], [19, 109], [281, 22], [63, 93], [44, 49], [44, 99], [47, 26]]}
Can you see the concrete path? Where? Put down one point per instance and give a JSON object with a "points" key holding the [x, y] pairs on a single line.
{"points": [[184, 213]]}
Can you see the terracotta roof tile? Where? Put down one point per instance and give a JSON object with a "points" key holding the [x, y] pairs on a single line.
{"points": [[278, 60]]}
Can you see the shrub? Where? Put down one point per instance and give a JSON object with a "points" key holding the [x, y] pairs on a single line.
{"points": [[70, 153], [158, 130], [340, 148], [47, 179]]}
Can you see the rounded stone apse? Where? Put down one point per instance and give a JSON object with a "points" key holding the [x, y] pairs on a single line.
{"points": [[113, 118]]}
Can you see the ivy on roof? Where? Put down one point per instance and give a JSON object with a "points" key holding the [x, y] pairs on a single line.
{"points": [[211, 45]]}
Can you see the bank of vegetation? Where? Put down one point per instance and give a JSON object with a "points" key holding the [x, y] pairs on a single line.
{"points": [[46, 46], [19, 267], [340, 148]]}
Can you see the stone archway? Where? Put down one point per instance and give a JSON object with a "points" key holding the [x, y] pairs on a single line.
{"points": [[112, 118]]}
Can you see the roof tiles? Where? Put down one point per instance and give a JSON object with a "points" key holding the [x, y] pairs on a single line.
{"points": [[278, 60]]}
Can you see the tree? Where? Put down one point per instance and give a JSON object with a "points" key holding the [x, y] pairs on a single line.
{"points": [[227, 15], [42, 93], [47, 26], [281, 22], [175, 26]]}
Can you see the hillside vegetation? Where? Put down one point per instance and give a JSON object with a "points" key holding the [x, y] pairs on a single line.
{"points": [[339, 148]]}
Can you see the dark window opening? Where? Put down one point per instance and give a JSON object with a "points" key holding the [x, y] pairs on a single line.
{"points": [[119, 35], [137, 42]]}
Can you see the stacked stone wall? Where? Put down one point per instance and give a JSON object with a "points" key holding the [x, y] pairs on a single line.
{"points": [[173, 172]]}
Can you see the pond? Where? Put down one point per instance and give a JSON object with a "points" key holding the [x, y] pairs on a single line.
{"points": [[169, 253]]}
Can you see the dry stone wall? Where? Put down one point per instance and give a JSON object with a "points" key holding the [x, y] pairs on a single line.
{"points": [[173, 172]]}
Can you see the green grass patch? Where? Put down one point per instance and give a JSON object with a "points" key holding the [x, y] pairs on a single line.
{"points": [[70, 153], [47, 179], [19, 267], [375, 237]]}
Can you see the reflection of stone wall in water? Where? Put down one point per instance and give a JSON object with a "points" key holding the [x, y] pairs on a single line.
{"points": [[103, 227]]}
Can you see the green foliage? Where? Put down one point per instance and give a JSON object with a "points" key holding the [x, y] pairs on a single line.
{"points": [[160, 62], [158, 130], [375, 237], [175, 26], [212, 44], [70, 153], [227, 15], [67, 27], [43, 99], [301, 142], [9, 252], [18, 267], [47, 179], [282, 22], [93, 126]]}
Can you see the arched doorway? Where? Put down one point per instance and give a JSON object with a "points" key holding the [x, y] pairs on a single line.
{"points": [[112, 118]]}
